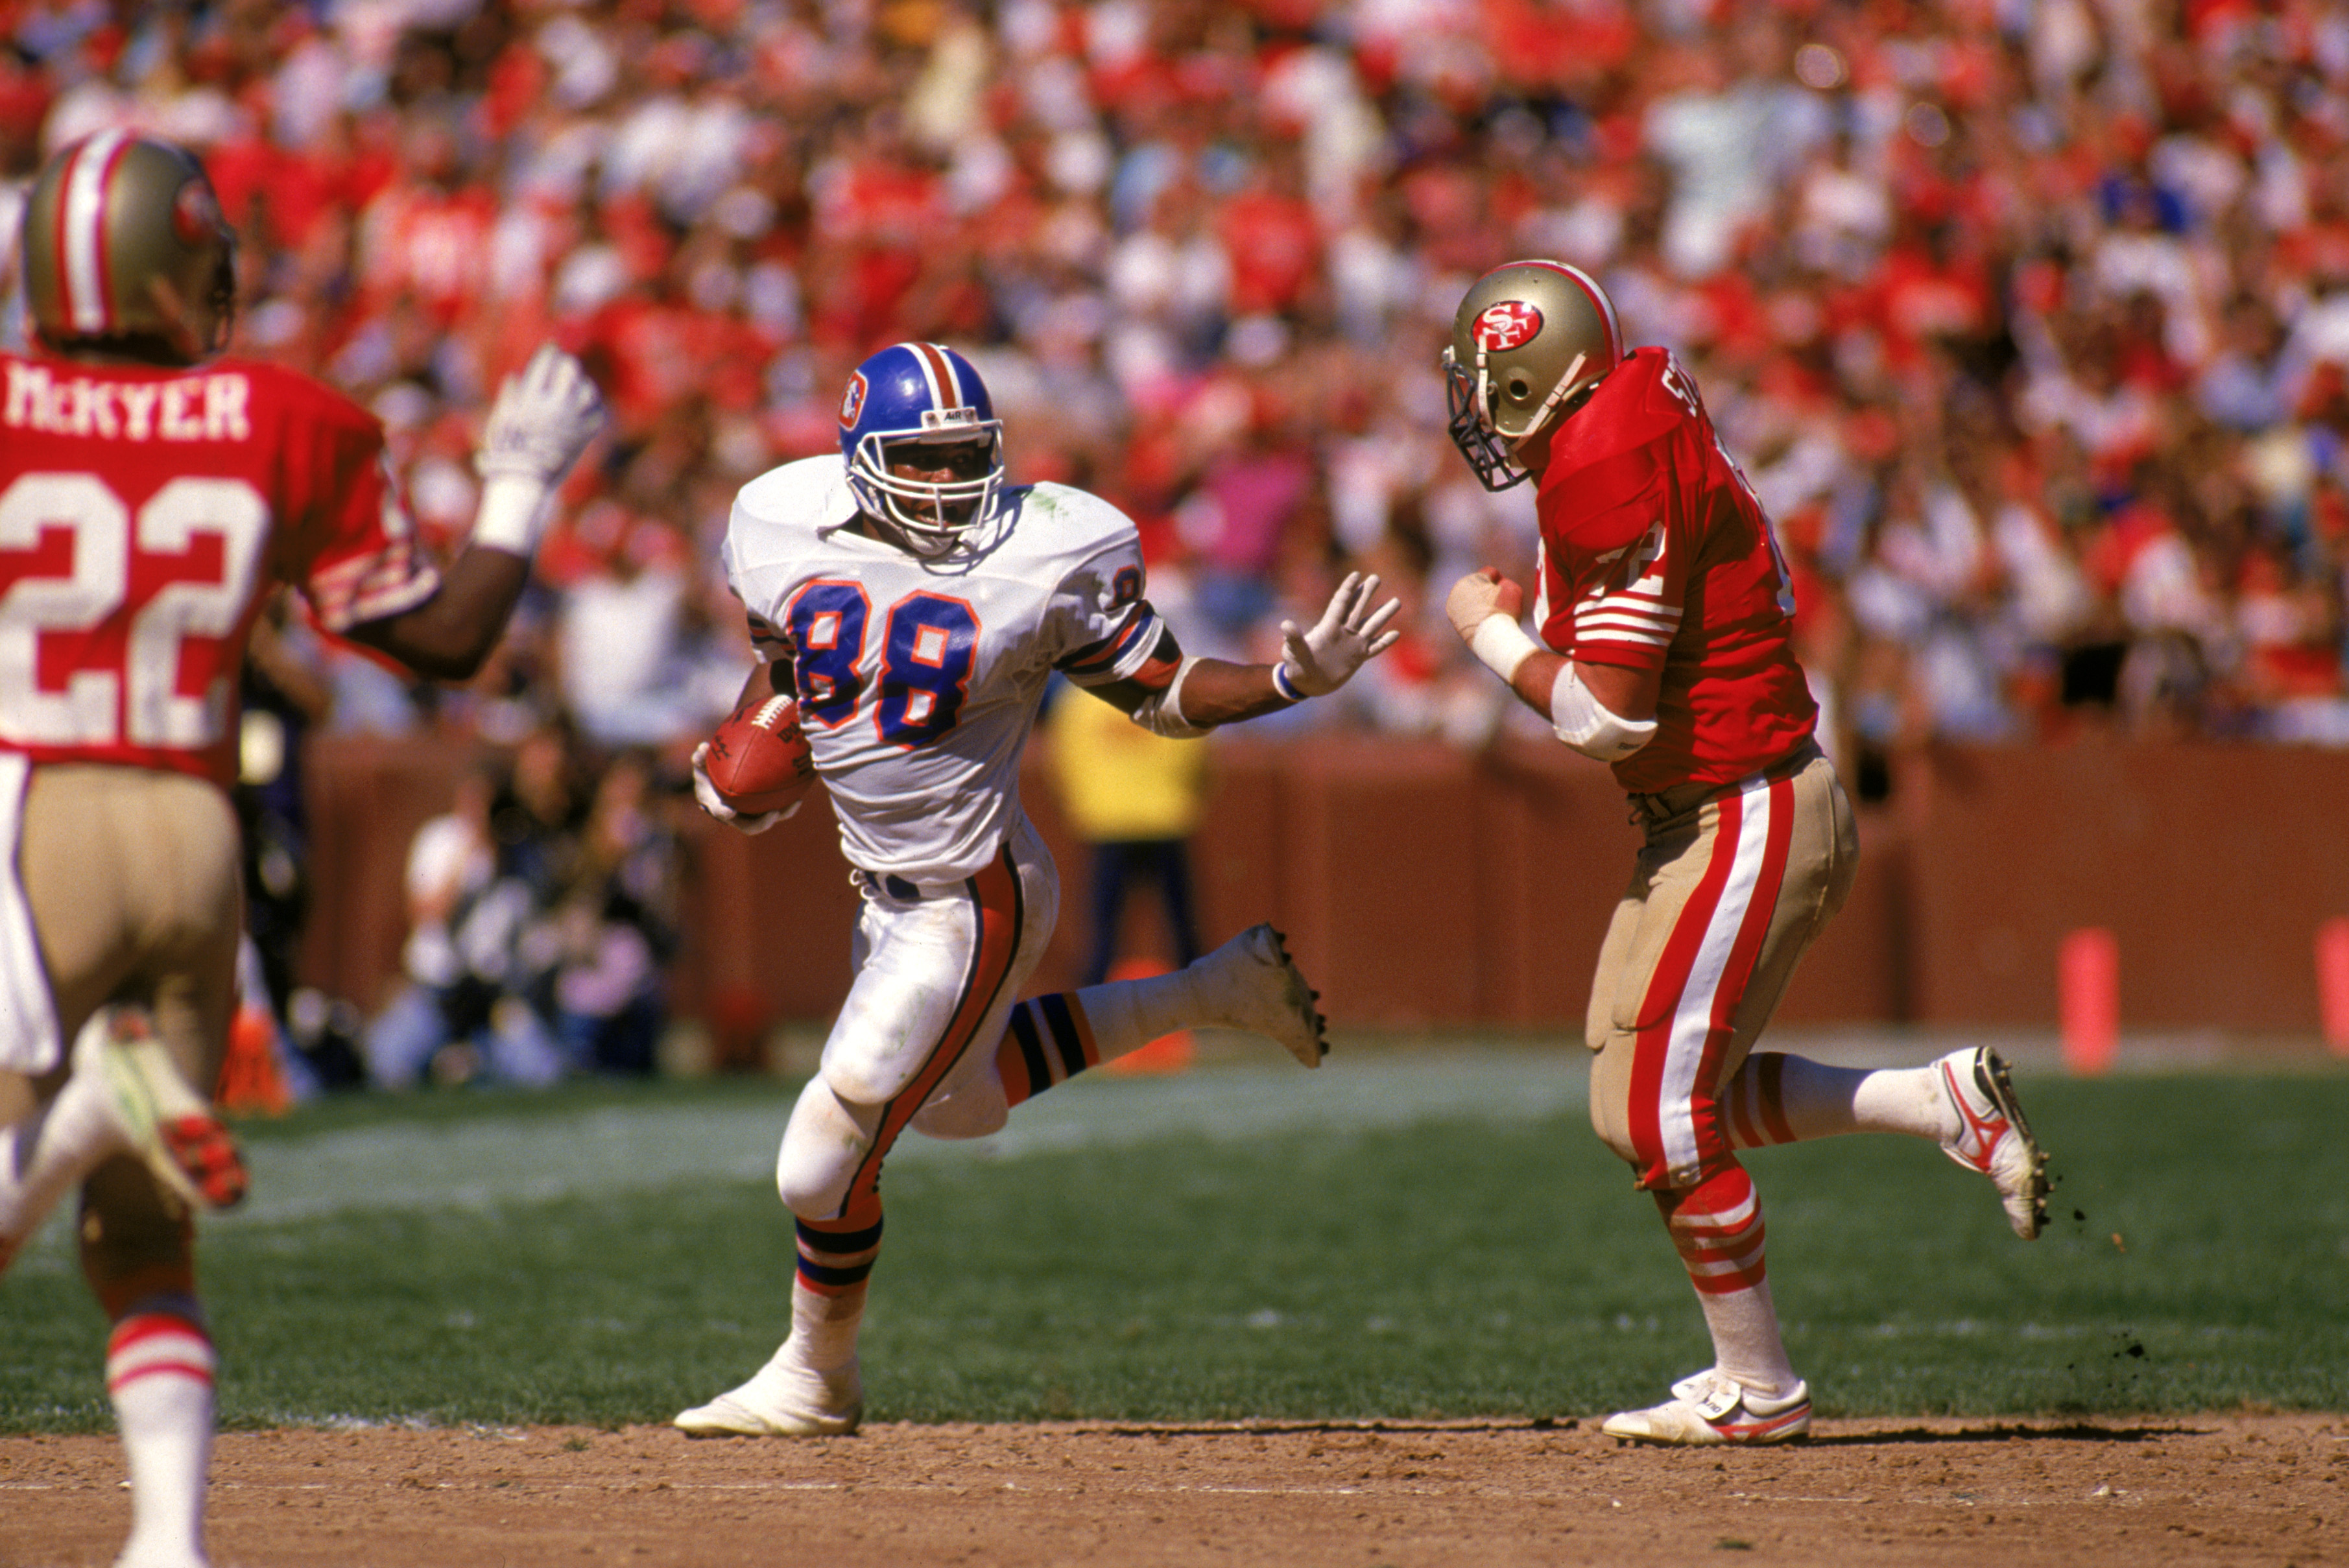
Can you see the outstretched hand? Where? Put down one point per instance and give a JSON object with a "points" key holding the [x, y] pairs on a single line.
{"points": [[1348, 636], [1478, 597], [543, 417]]}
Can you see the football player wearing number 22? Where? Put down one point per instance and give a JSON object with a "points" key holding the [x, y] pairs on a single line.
{"points": [[916, 604], [153, 494], [1665, 619]]}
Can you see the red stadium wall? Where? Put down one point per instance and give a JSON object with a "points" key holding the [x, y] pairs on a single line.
{"points": [[1423, 887]]}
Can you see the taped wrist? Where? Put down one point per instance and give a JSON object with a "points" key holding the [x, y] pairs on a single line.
{"points": [[1584, 723], [1502, 644], [513, 514], [1161, 712]]}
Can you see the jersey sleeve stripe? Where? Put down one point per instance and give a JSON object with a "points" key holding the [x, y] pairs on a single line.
{"points": [[1587, 620], [1117, 656], [389, 584], [767, 637], [1617, 615], [1633, 598], [1612, 639], [1648, 608]]}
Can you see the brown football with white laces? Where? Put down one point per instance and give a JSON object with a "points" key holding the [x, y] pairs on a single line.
{"points": [[759, 761]]}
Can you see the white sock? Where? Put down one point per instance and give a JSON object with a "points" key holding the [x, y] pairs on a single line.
{"points": [[47, 1154], [1746, 1345], [1126, 1014], [824, 1327], [159, 1371], [1823, 1101]]}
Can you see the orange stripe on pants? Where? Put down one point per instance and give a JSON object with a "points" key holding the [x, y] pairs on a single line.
{"points": [[996, 906]]}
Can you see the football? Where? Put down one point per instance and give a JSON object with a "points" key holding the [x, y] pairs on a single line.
{"points": [[757, 759]]}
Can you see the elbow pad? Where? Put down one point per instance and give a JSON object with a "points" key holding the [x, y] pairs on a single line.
{"points": [[1161, 712], [1585, 724]]}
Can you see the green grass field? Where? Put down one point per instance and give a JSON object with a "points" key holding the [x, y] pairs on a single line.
{"points": [[1408, 1235]]}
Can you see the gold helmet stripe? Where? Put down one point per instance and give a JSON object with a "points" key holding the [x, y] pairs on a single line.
{"points": [[81, 235]]}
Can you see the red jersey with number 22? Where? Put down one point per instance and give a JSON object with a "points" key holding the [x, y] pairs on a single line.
{"points": [[1656, 555], [145, 514]]}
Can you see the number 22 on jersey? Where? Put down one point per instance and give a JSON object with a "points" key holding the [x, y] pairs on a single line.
{"points": [[125, 687], [929, 646]]}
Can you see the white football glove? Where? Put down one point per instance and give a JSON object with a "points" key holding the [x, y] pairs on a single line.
{"points": [[706, 796], [1348, 636], [543, 419]]}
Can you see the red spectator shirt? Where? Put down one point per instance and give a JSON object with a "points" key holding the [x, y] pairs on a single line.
{"points": [[1656, 555], [145, 515]]}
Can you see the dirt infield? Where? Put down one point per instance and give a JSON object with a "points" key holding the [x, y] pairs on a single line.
{"points": [[2266, 1489]]}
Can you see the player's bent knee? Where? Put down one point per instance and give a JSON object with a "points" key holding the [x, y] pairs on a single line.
{"points": [[813, 1177], [810, 1194], [825, 1147]]}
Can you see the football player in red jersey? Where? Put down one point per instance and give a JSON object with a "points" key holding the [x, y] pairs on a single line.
{"points": [[1665, 624], [152, 496]]}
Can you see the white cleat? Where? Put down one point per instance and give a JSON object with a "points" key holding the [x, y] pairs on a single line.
{"points": [[1711, 1410], [784, 1400], [1250, 983], [1992, 1138], [162, 1120], [161, 1557]]}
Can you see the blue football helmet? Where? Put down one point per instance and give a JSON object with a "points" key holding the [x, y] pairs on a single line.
{"points": [[921, 397]]}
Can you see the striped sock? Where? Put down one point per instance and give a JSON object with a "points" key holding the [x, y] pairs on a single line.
{"points": [[1717, 1226], [1776, 1097], [835, 1265], [158, 1373], [1050, 1041]]}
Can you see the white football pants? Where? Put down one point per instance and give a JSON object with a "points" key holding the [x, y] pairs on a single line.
{"points": [[915, 1045]]}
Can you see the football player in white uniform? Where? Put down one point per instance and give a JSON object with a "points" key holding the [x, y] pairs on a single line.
{"points": [[917, 606]]}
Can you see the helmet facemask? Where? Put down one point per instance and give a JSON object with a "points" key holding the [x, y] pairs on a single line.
{"points": [[1492, 455], [933, 516], [1529, 342]]}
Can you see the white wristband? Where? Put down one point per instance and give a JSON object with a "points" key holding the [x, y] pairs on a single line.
{"points": [[1503, 644], [513, 514]]}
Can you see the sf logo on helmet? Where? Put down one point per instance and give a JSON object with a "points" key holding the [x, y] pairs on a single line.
{"points": [[1511, 323], [851, 403], [195, 216]]}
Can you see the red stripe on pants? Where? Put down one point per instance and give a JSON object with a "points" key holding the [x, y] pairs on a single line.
{"points": [[1667, 1000]]}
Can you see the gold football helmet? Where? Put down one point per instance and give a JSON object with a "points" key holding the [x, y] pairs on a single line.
{"points": [[1529, 339], [123, 240]]}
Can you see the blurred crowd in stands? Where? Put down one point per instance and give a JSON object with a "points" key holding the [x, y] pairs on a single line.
{"points": [[2027, 318]]}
